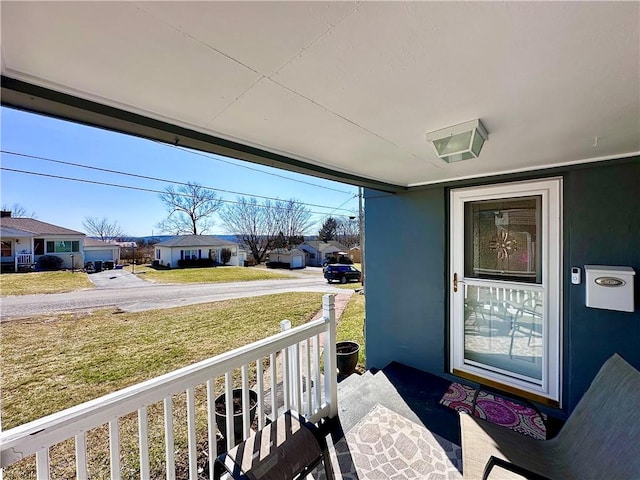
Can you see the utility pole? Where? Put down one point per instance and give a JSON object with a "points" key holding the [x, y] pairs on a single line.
{"points": [[361, 230]]}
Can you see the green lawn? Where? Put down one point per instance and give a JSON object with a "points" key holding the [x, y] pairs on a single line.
{"points": [[351, 326], [59, 282], [205, 275], [52, 363], [42, 282]]}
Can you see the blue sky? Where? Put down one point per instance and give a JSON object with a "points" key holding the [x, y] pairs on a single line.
{"points": [[67, 203]]}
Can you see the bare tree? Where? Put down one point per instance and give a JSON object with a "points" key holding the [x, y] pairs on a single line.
{"points": [[254, 223], [348, 231], [262, 226], [293, 219], [189, 207], [103, 228], [18, 211]]}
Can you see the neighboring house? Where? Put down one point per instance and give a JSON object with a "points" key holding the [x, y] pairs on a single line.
{"points": [[25, 240], [294, 257], [355, 254], [195, 247], [98, 250], [318, 251]]}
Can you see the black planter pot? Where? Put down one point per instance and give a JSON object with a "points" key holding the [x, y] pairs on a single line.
{"points": [[347, 357], [221, 417]]}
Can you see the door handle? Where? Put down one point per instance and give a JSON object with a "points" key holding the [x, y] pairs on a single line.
{"points": [[455, 282]]}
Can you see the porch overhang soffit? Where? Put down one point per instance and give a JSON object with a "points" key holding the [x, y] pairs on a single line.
{"points": [[340, 90]]}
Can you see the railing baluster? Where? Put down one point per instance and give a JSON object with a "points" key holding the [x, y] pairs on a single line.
{"points": [[42, 464], [114, 449], [191, 434], [297, 378], [316, 370], [331, 383], [228, 393], [260, 389], [81, 456], [274, 386], [285, 379], [211, 427], [143, 439], [307, 359], [246, 427], [286, 369], [169, 444]]}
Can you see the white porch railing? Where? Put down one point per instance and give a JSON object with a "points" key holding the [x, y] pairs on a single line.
{"points": [[293, 354], [23, 259]]}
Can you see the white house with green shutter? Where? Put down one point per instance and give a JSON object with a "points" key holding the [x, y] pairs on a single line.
{"points": [[196, 247]]}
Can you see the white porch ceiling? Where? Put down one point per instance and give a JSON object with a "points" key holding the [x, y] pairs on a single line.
{"points": [[352, 87]]}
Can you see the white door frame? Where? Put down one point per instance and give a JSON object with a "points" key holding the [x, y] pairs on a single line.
{"points": [[551, 192]]}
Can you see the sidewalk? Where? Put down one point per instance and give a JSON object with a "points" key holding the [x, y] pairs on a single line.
{"points": [[341, 300]]}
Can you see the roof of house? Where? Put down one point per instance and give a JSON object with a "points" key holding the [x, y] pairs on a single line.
{"points": [[286, 251], [36, 227], [6, 232], [94, 242], [322, 245], [195, 241]]}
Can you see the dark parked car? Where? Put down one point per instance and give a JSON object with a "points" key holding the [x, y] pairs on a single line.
{"points": [[341, 273]]}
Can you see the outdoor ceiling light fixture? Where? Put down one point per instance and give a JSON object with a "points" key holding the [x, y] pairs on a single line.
{"points": [[460, 142]]}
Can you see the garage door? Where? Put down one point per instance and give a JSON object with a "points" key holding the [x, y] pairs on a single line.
{"points": [[297, 262]]}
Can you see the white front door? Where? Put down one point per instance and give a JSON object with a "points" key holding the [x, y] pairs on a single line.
{"points": [[505, 286]]}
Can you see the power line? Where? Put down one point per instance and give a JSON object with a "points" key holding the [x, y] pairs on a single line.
{"points": [[142, 189], [210, 157], [156, 179]]}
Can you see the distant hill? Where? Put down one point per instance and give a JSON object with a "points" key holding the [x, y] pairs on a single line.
{"points": [[162, 238], [232, 238]]}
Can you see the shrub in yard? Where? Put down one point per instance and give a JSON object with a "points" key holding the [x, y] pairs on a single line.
{"points": [[194, 263], [225, 255], [278, 265], [49, 262]]}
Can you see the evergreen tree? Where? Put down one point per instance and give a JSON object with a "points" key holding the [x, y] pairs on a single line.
{"points": [[329, 230]]}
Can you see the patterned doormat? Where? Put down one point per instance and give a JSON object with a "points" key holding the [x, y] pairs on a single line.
{"points": [[386, 445], [496, 409]]}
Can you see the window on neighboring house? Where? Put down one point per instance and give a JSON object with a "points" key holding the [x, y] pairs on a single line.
{"points": [[157, 254], [6, 249], [63, 246], [191, 254]]}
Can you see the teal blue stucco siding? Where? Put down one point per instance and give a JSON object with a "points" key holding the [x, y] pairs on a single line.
{"points": [[602, 218], [405, 279], [407, 271]]}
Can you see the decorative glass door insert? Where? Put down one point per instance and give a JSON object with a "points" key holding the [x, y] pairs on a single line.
{"points": [[505, 259]]}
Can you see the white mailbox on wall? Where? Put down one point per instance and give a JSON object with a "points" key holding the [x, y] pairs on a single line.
{"points": [[609, 287]]}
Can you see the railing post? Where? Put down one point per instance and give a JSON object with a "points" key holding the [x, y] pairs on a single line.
{"points": [[287, 371], [330, 376]]}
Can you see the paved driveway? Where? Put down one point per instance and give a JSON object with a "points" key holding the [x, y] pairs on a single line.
{"points": [[128, 293], [116, 279]]}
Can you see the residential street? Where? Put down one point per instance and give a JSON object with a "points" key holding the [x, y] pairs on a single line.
{"points": [[121, 289]]}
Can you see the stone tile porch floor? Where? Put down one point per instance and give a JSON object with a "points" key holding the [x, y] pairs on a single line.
{"points": [[412, 394]]}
